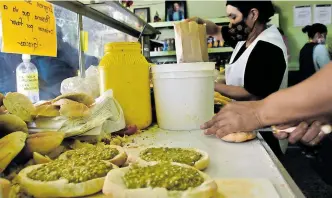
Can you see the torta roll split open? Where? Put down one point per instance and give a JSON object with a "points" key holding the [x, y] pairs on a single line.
{"points": [[63, 187], [118, 159], [190, 156], [116, 186]]}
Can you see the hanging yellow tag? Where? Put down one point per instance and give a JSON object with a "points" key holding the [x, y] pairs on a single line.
{"points": [[28, 27]]}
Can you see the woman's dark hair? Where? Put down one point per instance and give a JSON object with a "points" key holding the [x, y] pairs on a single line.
{"points": [[265, 8], [311, 30]]}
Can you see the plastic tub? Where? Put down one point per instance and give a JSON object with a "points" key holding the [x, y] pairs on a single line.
{"points": [[183, 94]]}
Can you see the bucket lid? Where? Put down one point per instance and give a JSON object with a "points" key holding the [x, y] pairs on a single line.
{"points": [[181, 67]]}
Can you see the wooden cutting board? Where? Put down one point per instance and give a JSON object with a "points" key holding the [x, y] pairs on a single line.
{"points": [[246, 188]]}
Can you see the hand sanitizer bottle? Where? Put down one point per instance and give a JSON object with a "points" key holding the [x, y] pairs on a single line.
{"points": [[27, 79]]}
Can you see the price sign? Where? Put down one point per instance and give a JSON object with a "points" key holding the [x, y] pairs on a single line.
{"points": [[28, 27]]}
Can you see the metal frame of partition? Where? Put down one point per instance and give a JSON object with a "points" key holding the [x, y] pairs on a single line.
{"points": [[91, 11]]}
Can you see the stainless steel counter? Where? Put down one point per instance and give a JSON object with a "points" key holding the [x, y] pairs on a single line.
{"points": [[253, 159]]}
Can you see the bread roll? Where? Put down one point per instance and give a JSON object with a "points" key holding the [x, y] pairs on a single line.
{"points": [[239, 137], [19, 105]]}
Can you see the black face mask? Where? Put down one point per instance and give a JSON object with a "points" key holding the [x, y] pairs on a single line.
{"points": [[239, 31]]}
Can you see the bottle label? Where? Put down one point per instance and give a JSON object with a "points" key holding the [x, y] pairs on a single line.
{"points": [[27, 84]]}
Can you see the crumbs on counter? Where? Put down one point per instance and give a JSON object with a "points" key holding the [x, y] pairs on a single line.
{"points": [[151, 129], [116, 140]]}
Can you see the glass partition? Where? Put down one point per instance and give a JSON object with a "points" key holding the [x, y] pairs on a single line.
{"points": [[53, 70], [100, 34]]}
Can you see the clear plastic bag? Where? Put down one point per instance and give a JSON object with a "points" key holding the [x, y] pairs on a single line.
{"points": [[88, 85]]}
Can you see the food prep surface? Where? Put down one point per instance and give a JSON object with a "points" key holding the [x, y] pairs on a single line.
{"points": [[251, 159]]}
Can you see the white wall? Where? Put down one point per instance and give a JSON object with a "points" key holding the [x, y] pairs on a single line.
{"points": [[204, 9]]}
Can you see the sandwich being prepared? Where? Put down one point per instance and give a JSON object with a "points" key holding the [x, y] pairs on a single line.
{"points": [[189, 156], [159, 180], [112, 153], [65, 178]]}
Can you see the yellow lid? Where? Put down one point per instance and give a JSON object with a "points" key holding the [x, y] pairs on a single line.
{"points": [[122, 46]]}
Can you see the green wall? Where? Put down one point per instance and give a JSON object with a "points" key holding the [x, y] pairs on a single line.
{"points": [[295, 36]]}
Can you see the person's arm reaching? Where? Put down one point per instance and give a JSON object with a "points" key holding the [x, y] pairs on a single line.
{"points": [[305, 101], [219, 32], [308, 99], [234, 92]]}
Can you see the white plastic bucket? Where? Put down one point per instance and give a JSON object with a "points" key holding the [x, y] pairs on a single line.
{"points": [[184, 94]]}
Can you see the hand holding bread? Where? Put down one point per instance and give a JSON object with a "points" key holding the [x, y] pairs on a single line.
{"points": [[225, 125]]}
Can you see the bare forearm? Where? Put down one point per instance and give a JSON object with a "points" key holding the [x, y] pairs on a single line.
{"points": [[233, 92], [311, 98]]}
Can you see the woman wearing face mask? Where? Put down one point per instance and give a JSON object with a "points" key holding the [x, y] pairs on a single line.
{"points": [[313, 55], [258, 65]]}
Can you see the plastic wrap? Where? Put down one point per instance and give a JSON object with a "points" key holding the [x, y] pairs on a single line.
{"points": [[88, 85], [106, 117]]}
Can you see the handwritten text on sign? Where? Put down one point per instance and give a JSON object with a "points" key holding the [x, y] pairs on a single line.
{"points": [[28, 27]]}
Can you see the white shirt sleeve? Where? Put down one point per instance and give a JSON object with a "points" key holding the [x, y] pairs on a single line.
{"points": [[321, 56]]}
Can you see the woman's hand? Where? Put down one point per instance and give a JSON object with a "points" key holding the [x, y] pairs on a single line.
{"points": [[196, 19], [234, 117], [211, 28]]}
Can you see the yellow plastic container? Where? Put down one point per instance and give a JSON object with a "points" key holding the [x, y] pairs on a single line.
{"points": [[125, 70]]}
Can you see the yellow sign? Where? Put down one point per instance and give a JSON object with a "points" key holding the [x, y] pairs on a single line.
{"points": [[28, 27]]}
